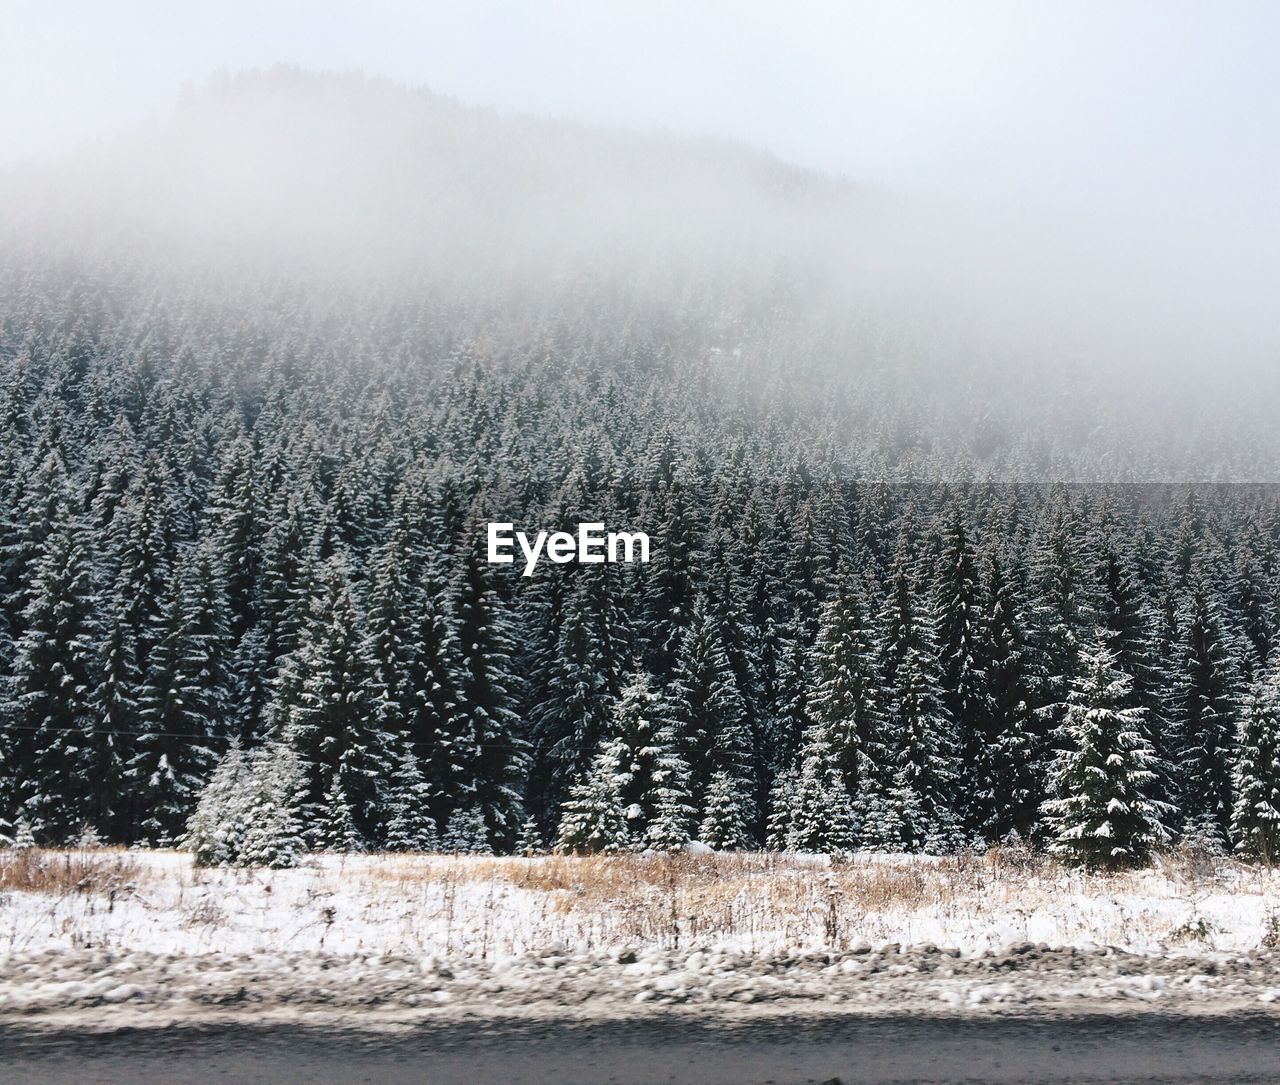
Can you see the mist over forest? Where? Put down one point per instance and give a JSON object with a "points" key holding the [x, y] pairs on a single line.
{"points": [[909, 339]]}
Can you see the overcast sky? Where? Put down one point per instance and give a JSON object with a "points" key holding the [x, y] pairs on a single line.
{"points": [[1133, 143], [1012, 96]]}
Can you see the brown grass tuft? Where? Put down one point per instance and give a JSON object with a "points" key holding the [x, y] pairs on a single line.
{"points": [[34, 870]]}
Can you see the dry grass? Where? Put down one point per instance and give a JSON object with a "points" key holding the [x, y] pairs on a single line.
{"points": [[101, 872], [482, 906], [679, 899]]}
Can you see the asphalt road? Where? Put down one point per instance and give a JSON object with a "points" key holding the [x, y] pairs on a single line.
{"points": [[1238, 1050]]}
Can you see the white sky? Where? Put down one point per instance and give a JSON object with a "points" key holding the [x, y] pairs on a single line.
{"points": [[1031, 96]]}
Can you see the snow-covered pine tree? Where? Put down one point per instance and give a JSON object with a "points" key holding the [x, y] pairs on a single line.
{"points": [[1003, 757], [1062, 607], [707, 713], [726, 824], [388, 639], [440, 734], [206, 640], [215, 829], [877, 815], [333, 724], [286, 578], [958, 632], [1102, 817], [592, 818], [793, 686], [50, 710], [1204, 716], [529, 844], [335, 828], [1253, 600], [237, 533], [115, 713], [409, 824], [903, 621], [669, 587], [1133, 621], [675, 813], [924, 757], [140, 558], [273, 825], [178, 707], [640, 752], [1255, 822], [485, 687], [6, 797], [782, 803], [729, 606], [821, 814], [844, 705], [467, 833], [570, 716]]}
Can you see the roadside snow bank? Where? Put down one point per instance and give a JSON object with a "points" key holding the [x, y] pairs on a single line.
{"points": [[916, 979]]}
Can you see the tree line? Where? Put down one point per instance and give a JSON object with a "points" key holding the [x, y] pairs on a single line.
{"points": [[243, 605]]}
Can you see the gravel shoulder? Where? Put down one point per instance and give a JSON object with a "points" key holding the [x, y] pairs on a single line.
{"points": [[88, 989]]}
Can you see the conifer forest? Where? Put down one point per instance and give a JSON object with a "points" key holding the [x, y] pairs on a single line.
{"points": [[245, 606]]}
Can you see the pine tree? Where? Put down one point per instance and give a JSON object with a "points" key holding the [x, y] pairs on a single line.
{"points": [[959, 637], [878, 818], [114, 706], [273, 824], [1002, 757], [467, 833], [782, 805], [726, 814], [925, 780], [6, 799], [1204, 716], [793, 688], [844, 705], [529, 844], [51, 707], [439, 732], [821, 815], [592, 818], [669, 585], [640, 753], [489, 727], [571, 715], [1255, 822], [410, 826], [335, 827], [179, 706], [1062, 611], [675, 813], [333, 723], [707, 713], [388, 642], [1102, 817], [215, 830]]}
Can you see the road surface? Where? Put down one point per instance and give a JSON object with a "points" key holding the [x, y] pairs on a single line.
{"points": [[852, 1051]]}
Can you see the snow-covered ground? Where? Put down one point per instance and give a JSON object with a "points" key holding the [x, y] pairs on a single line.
{"points": [[481, 907], [417, 933]]}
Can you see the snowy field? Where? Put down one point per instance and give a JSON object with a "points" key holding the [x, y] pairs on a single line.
{"points": [[94, 929], [751, 903]]}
